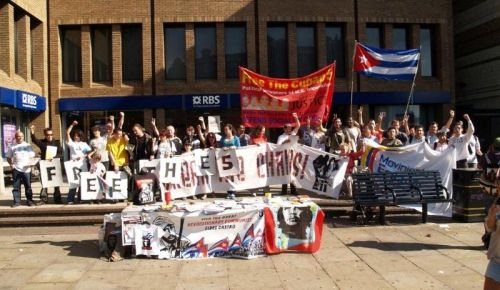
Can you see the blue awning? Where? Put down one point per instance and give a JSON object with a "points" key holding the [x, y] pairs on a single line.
{"points": [[391, 98], [119, 103], [22, 100]]}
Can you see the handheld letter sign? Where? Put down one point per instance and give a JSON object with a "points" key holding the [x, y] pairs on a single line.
{"points": [[170, 170], [205, 162], [117, 182], [73, 170], [90, 187], [150, 165], [50, 173], [227, 162]]}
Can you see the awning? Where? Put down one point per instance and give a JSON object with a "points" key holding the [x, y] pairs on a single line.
{"points": [[391, 98], [22, 100]]}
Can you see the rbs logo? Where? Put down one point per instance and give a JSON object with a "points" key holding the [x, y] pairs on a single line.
{"points": [[206, 100], [29, 99]]}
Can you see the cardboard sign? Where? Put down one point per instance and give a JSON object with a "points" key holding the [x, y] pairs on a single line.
{"points": [[214, 124], [50, 173], [90, 186], [118, 185], [150, 165], [205, 162], [227, 162], [73, 171], [170, 170]]}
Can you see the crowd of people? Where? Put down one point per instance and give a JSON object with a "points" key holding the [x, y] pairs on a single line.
{"points": [[111, 148]]}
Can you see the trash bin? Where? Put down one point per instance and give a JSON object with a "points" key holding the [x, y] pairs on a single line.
{"points": [[468, 195]]}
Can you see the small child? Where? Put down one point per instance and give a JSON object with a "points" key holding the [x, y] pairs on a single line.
{"points": [[344, 151], [97, 168]]}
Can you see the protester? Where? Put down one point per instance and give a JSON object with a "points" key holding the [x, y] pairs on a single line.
{"points": [[284, 138], [353, 132], [98, 145], [353, 156], [48, 141], [433, 128], [244, 138], [258, 135], [366, 134], [192, 138], [117, 149], [99, 169], [19, 156], [418, 136], [492, 225], [376, 127], [210, 141], [318, 137], [229, 141], [473, 150], [165, 148], [336, 136], [442, 143], [490, 163], [460, 141], [402, 136], [143, 145], [391, 140], [78, 150]]}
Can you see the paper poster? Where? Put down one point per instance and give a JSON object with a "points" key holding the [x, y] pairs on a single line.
{"points": [[170, 170], [150, 165], [50, 173], [73, 170], [117, 185], [9, 134], [227, 162], [51, 152], [90, 186], [214, 124]]}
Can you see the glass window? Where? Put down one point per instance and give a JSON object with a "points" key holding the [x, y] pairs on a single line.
{"points": [[306, 49], [71, 53], [101, 53], [335, 48], [277, 50], [34, 45], [374, 36], [205, 52], [427, 51], [399, 37], [131, 52], [235, 46], [175, 52]]}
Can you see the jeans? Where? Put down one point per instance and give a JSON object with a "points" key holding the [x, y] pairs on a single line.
{"points": [[24, 178], [72, 193], [44, 196]]}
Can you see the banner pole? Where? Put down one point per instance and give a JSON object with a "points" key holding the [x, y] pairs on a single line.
{"points": [[352, 77], [413, 83]]}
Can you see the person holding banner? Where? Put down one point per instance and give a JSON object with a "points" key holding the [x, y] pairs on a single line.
{"points": [[54, 151], [98, 145], [19, 156], [317, 134], [229, 141], [432, 136], [244, 138], [258, 135], [143, 145], [461, 141], [78, 150], [391, 140], [336, 135], [285, 138]]}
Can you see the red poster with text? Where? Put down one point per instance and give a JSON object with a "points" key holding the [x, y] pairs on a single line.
{"points": [[270, 101]]}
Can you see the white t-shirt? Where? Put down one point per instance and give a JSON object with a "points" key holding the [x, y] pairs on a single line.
{"points": [[166, 148], [21, 155], [473, 146], [440, 146], [318, 140], [461, 142], [147, 239], [99, 144], [78, 149], [415, 140], [97, 168], [284, 137], [354, 134]]}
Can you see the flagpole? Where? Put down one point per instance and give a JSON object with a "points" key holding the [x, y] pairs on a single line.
{"points": [[413, 83], [352, 77]]}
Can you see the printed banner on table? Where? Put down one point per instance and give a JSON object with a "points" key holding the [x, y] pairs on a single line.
{"points": [[294, 228], [73, 170], [414, 157], [50, 173], [233, 233], [270, 101]]}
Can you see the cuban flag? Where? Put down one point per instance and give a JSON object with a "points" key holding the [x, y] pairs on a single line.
{"points": [[236, 245], [249, 237], [196, 250], [386, 64], [219, 248]]}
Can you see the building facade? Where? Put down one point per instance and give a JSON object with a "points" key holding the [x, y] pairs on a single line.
{"points": [[477, 61], [176, 60]]}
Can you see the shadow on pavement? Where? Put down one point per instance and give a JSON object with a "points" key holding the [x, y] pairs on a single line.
{"points": [[84, 248], [397, 246]]}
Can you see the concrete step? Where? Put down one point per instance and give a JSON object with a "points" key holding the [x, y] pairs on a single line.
{"points": [[27, 221]]}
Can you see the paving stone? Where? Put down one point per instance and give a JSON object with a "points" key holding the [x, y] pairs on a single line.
{"points": [[126, 264], [199, 269], [64, 273], [31, 261], [335, 255], [49, 286], [12, 278], [413, 280], [150, 281], [104, 279], [477, 264], [469, 281], [355, 275], [213, 283], [242, 265], [389, 262], [254, 279], [440, 265], [300, 279], [286, 262]]}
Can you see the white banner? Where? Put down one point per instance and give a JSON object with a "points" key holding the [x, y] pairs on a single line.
{"points": [[150, 165], [90, 187], [73, 170], [118, 185], [50, 173], [414, 157], [227, 162]]}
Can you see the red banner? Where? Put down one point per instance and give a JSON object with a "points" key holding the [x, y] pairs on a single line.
{"points": [[270, 102]]}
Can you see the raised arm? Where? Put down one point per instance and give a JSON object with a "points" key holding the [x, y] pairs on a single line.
{"points": [[360, 116], [155, 129], [202, 121], [68, 131], [447, 126], [470, 128], [406, 124], [121, 120], [297, 124], [34, 139], [380, 119], [112, 121], [201, 135]]}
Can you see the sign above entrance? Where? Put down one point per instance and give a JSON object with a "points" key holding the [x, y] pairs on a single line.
{"points": [[30, 102], [206, 101]]}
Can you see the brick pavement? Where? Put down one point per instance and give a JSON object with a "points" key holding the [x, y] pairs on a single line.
{"points": [[401, 256]]}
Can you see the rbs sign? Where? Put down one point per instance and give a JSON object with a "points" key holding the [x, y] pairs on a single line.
{"points": [[29, 101], [206, 100]]}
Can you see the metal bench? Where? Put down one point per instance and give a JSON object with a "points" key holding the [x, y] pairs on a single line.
{"points": [[396, 188]]}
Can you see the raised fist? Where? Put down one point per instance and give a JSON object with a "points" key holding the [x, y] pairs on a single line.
{"points": [[452, 114], [122, 114], [294, 114], [111, 118], [74, 123], [466, 117]]}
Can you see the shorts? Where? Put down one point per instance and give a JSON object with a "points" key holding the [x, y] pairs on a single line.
{"points": [[493, 271]]}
